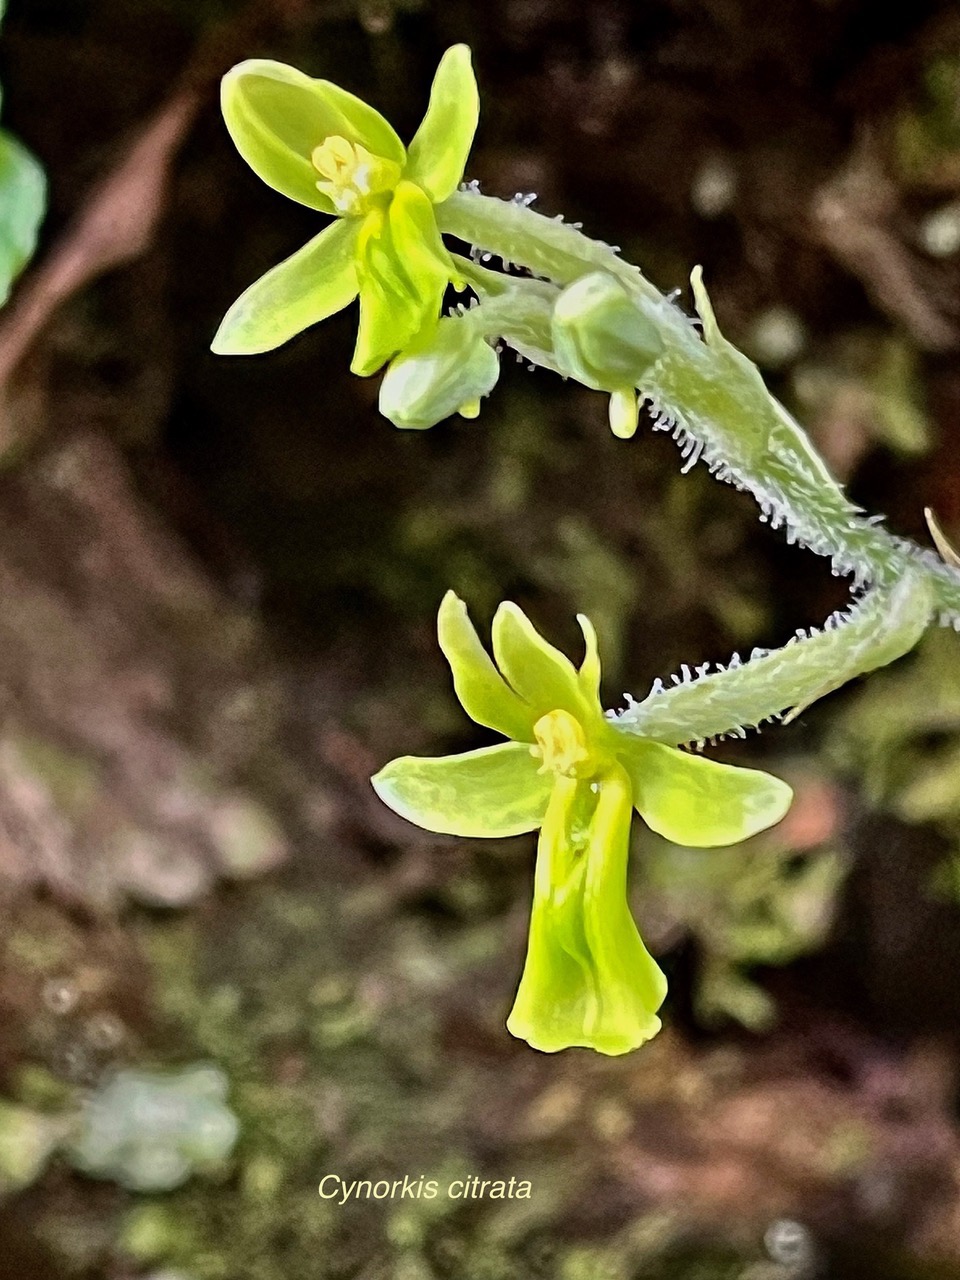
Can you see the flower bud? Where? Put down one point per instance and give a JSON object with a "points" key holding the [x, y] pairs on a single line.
{"points": [[601, 336], [440, 375]]}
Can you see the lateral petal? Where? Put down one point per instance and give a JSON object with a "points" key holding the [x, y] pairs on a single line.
{"points": [[590, 666], [484, 694], [539, 673]]}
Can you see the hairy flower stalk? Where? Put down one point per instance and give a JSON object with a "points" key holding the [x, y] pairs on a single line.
{"points": [[713, 400], [881, 627]]}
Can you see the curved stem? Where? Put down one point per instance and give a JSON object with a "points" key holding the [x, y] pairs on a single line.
{"points": [[881, 627], [713, 400]]}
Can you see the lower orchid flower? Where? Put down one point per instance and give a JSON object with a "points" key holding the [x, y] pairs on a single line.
{"points": [[567, 770]]}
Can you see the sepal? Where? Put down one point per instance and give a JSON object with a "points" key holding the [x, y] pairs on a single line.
{"points": [[493, 792], [701, 803], [312, 284], [277, 116], [439, 150]]}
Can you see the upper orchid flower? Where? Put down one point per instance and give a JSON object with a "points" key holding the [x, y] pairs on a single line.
{"points": [[588, 978], [320, 145]]}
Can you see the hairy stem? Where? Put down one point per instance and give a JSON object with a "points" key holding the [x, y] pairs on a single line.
{"points": [[713, 400], [881, 627]]}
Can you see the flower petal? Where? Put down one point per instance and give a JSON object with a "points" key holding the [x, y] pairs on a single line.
{"points": [[699, 802], [588, 979], [276, 116], [484, 694], [439, 150], [496, 791], [313, 283], [540, 674], [403, 269]]}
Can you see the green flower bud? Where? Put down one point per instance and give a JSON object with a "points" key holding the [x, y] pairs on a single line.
{"points": [[601, 336], [434, 377]]}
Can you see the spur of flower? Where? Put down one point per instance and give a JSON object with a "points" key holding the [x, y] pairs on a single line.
{"points": [[325, 148], [567, 770]]}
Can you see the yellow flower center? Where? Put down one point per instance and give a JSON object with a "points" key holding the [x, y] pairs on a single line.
{"points": [[352, 177], [562, 745]]}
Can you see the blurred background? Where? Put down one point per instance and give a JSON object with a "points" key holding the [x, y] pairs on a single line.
{"points": [[225, 970]]}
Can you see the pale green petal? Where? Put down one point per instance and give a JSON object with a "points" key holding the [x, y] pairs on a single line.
{"points": [[539, 673], [315, 282], [590, 667], [363, 123], [496, 791], [699, 802], [438, 153], [484, 694], [276, 116], [588, 979], [388, 308]]}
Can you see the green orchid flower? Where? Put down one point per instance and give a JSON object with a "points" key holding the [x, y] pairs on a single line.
{"points": [[588, 978], [325, 148]]}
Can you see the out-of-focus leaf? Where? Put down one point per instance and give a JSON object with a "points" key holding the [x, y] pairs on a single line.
{"points": [[724, 992], [152, 1131], [751, 904], [27, 1141], [23, 193], [901, 419]]}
